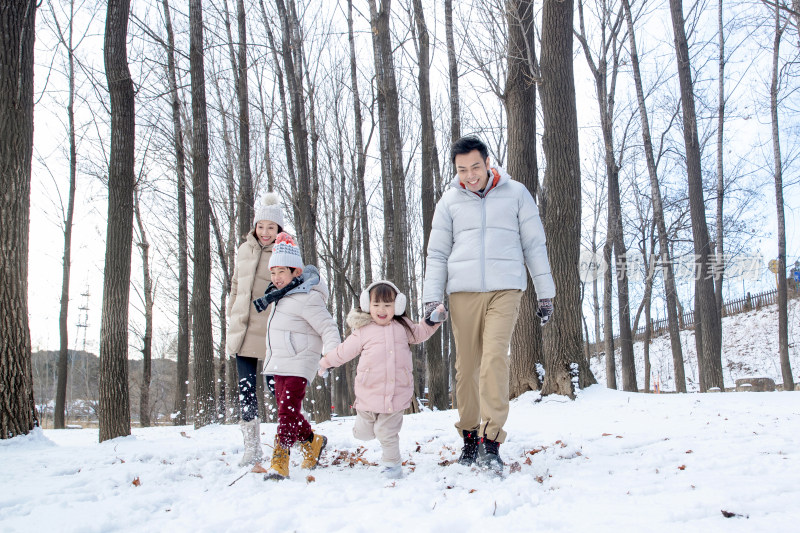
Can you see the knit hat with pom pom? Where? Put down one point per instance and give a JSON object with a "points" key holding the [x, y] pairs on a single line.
{"points": [[269, 208], [285, 253]]}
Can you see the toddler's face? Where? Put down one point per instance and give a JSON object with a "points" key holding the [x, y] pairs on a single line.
{"points": [[281, 276], [381, 312], [266, 231]]}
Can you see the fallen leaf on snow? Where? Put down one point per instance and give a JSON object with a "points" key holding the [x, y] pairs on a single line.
{"points": [[258, 469], [136, 482], [310, 479]]}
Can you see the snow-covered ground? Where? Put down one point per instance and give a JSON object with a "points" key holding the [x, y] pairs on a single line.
{"points": [[749, 349], [609, 461]]}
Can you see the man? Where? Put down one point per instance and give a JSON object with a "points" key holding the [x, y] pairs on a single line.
{"points": [[486, 229]]}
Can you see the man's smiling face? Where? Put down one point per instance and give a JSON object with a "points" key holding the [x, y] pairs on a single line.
{"points": [[473, 170]]}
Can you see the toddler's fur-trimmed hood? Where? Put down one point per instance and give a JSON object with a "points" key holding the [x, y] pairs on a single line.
{"points": [[357, 318]]}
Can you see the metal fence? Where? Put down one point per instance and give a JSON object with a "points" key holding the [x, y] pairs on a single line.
{"points": [[686, 320]]}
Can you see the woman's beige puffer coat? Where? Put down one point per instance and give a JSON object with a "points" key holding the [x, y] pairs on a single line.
{"points": [[247, 329]]}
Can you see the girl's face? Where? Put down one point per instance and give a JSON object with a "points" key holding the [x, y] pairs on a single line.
{"points": [[266, 231], [281, 276], [381, 312]]}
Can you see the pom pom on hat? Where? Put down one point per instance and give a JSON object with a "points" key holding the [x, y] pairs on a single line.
{"points": [[285, 252], [269, 208]]}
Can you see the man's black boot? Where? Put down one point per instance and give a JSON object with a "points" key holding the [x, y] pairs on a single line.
{"points": [[489, 455], [470, 450]]}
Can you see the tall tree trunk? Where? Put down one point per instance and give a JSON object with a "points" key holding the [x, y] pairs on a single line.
{"points": [[182, 366], [361, 165], [705, 303], [563, 339], [605, 88], [437, 373], [719, 270], [658, 214], [393, 172], [303, 199], [287, 141], [147, 340], [226, 289], [783, 315], [204, 402], [455, 134], [522, 164], [115, 416], [452, 73], [608, 316], [245, 176], [17, 25], [63, 355]]}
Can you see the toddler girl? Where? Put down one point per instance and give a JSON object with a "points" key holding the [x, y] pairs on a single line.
{"points": [[382, 333]]}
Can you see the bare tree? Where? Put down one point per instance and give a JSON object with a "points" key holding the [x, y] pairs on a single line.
{"points": [[147, 338], [303, 196], [658, 211], [395, 240], [605, 68], [783, 314], [205, 405], [181, 389], [452, 73], [358, 121], [65, 39], [17, 406], [707, 321], [563, 338], [720, 266], [520, 106], [245, 176], [437, 373], [115, 416]]}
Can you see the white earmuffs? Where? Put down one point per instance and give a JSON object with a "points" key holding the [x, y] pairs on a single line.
{"points": [[399, 300]]}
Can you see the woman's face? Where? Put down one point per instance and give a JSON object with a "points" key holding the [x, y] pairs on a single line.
{"points": [[266, 231], [381, 312]]}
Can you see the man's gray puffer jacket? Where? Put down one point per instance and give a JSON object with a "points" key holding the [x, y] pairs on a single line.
{"points": [[481, 243]]}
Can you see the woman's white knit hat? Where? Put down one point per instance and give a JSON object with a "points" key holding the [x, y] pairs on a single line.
{"points": [[269, 208], [285, 253]]}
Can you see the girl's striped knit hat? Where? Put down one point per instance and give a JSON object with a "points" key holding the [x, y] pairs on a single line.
{"points": [[285, 253]]}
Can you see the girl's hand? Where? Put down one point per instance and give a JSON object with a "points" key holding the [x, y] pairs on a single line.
{"points": [[439, 314], [322, 372]]}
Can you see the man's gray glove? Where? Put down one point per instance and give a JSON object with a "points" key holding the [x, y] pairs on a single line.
{"points": [[545, 310], [435, 312]]}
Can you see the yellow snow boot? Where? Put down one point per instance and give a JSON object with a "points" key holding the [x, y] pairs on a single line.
{"points": [[279, 468], [312, 449]]}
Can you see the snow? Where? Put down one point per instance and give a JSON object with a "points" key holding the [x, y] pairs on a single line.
{"points": [[749, 349], [608, 461]]}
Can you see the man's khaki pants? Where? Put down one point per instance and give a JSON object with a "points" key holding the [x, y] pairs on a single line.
{"points": [[483, 323]]}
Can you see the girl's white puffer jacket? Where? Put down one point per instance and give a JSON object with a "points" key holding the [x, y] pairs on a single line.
{"points": [[481, 243], [300, 329]]}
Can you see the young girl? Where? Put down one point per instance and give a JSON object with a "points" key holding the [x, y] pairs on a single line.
{"points": [[299, 328], [246, 330], [382, 332]]}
